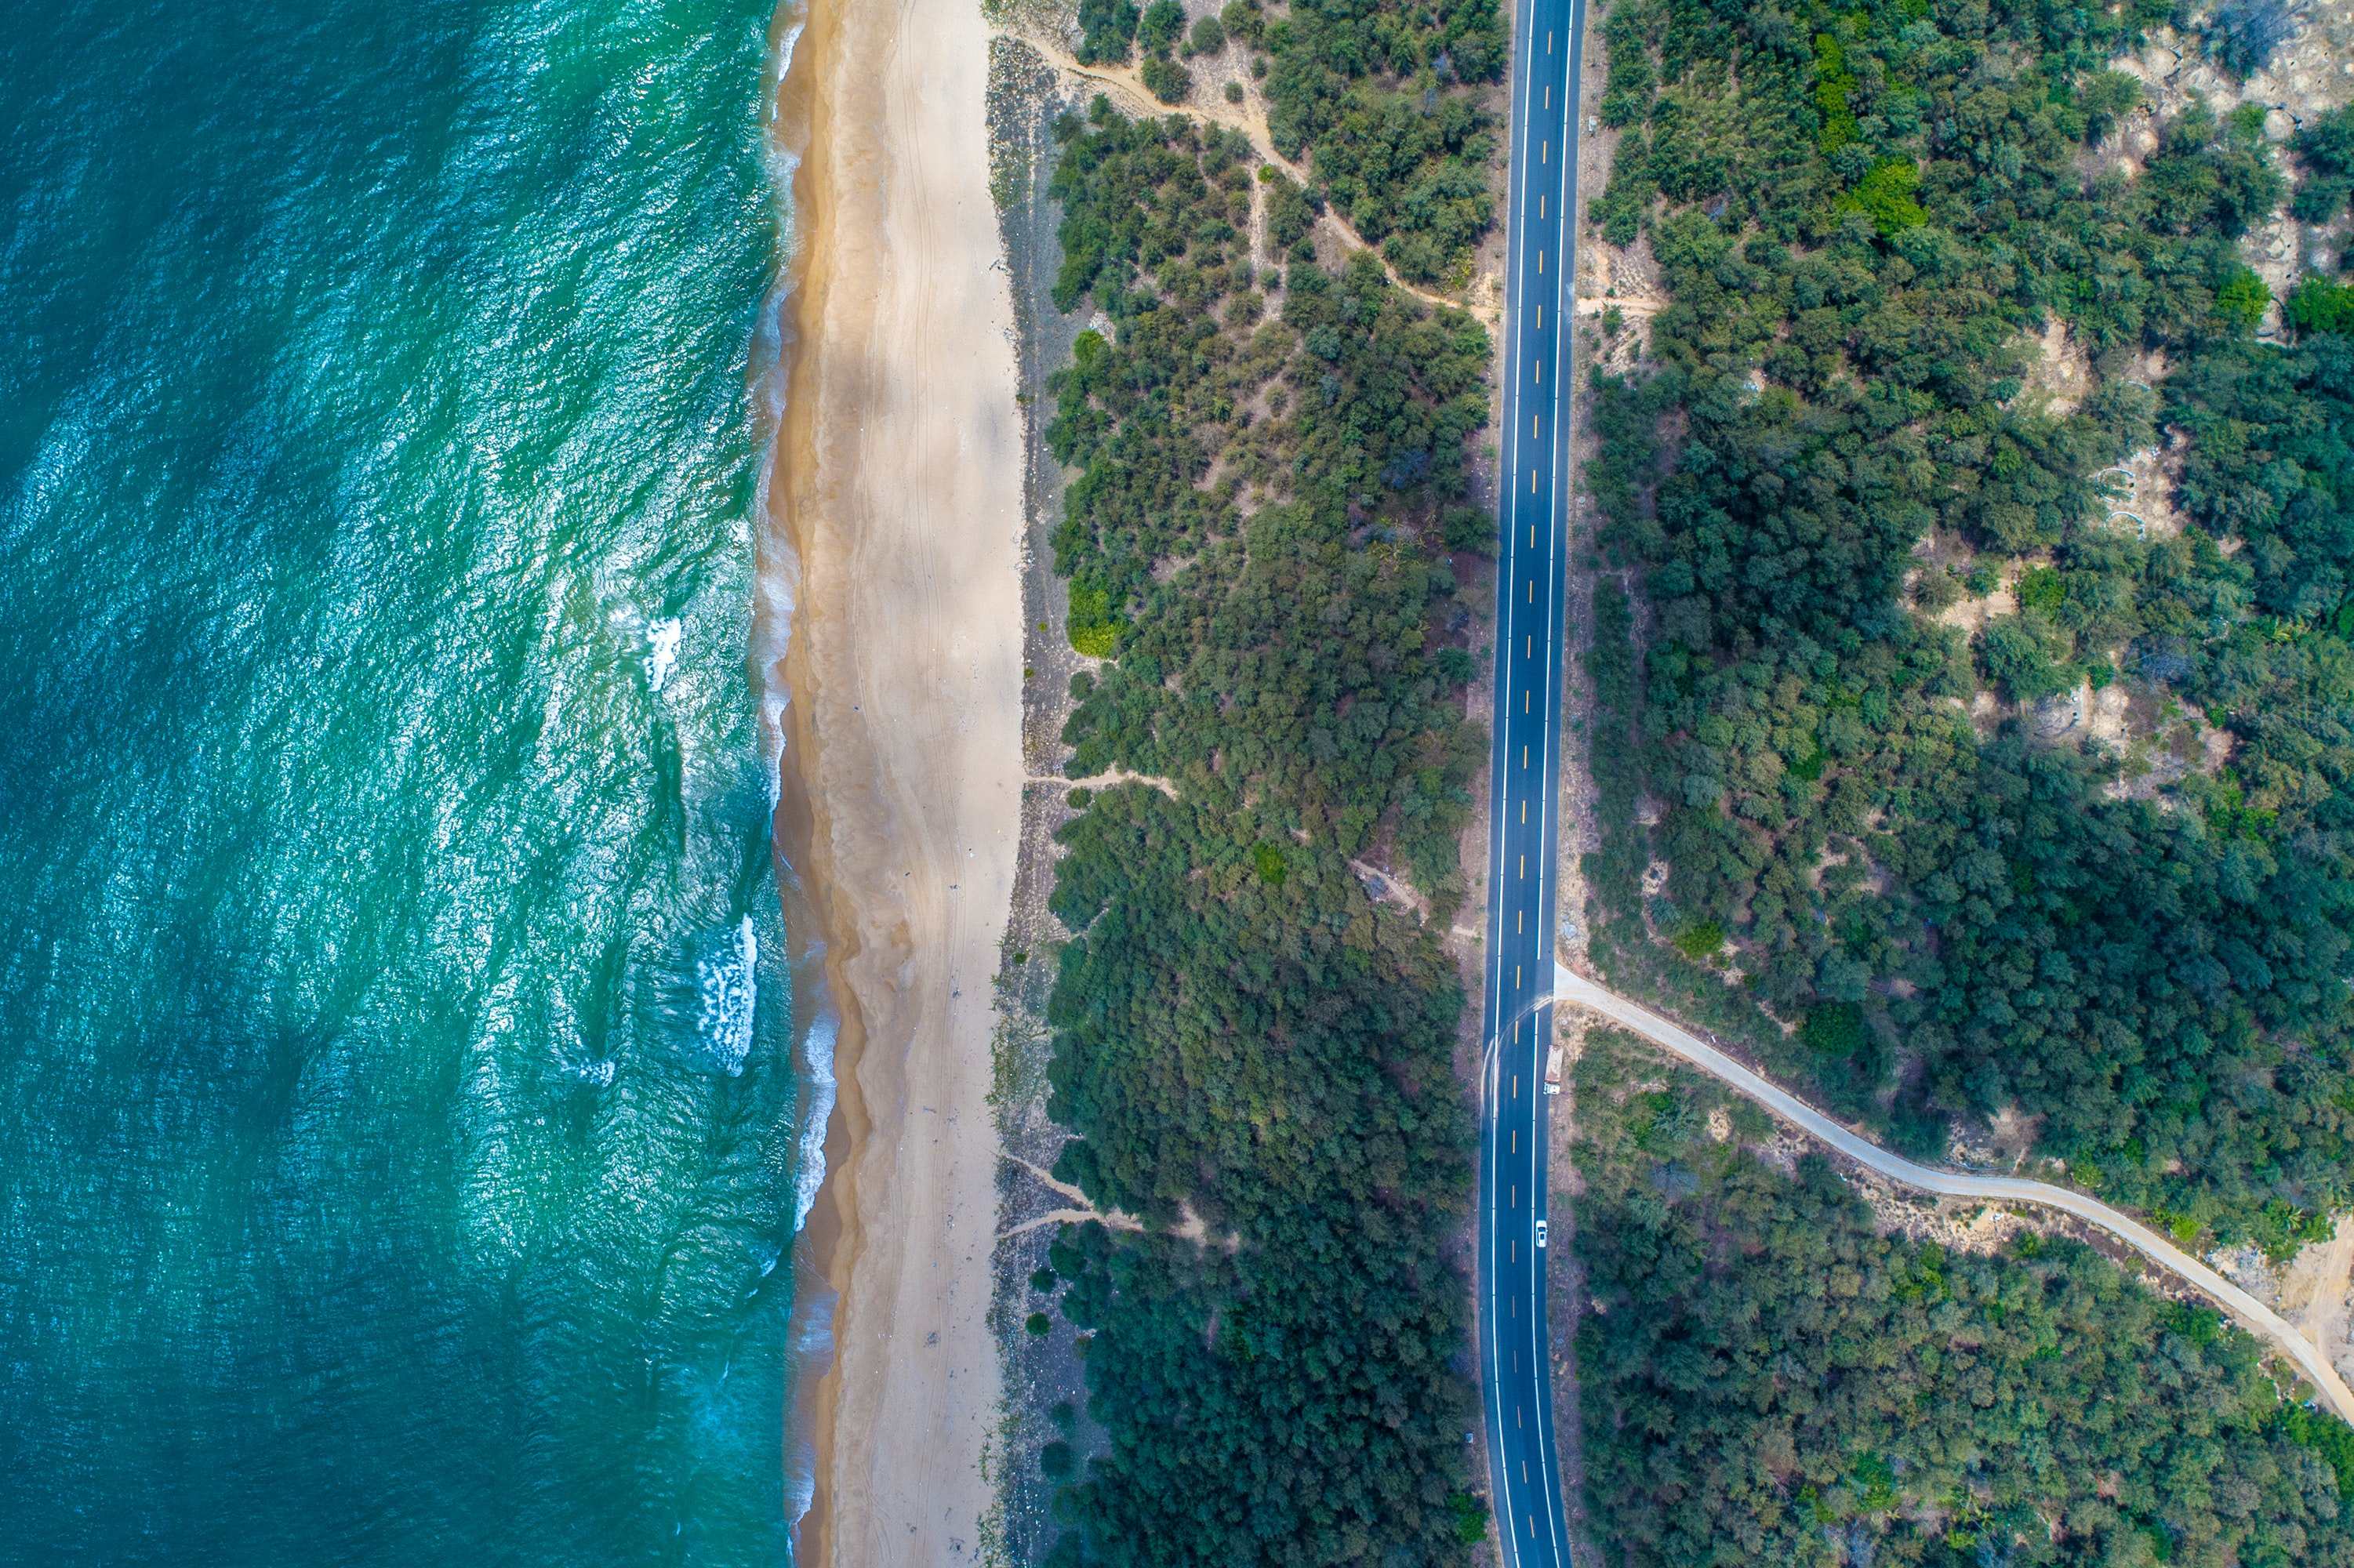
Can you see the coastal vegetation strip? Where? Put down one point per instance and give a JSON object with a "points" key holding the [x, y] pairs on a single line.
{"points": [[1376, 108], [1125, 88], [1275, 556]]}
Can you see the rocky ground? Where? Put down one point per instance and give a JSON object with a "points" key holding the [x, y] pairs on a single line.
{"points": [[2311, 73], [2312, 1290]]}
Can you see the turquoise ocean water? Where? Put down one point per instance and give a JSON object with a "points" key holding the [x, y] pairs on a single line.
{"points": [[399, 1117]]}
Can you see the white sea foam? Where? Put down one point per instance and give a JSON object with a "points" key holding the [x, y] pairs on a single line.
{"points": [[725, 982], [809, 1171], [814, 1298], [772, 625], [777, 587], [661, 651], [812, 1353], [777, 569]]}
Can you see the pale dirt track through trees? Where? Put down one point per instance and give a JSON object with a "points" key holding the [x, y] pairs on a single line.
{"points": [[1124, 85], [1575, 989]]}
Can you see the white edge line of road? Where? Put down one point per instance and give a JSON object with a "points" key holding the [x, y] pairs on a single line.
{"points": [[1498, 1469], [1573, 987], [1564, 289]]}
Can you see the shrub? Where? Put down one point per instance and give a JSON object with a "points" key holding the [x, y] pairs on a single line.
{"points": [[1163, 20], [2333, 1440], [1701, 939], [1885, 195], [1093, 630], [2243, 298], [1107, 29], [2040, 587], [1834, 1029], [1038, 1323], [2315, 304], [1833, 82], [1165, 78]]}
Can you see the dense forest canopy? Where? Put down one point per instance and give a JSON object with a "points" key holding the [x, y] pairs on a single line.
{"points": [[1863, 215], [1765, 1376], [1263, 537]]}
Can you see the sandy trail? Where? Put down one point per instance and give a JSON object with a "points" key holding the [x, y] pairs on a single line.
{"points": [[2314, 1287], [1124, 85], [2260, 1320], [1112, 777], [898, 485]]}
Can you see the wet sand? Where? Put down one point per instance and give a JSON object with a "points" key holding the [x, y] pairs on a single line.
{"points": [[898, 487]]}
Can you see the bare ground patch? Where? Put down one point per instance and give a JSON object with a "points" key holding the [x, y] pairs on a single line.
{"points": [[2310, 73]]}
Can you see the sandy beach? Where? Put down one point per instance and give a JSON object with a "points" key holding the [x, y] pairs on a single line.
{"points": [[898, 487]]}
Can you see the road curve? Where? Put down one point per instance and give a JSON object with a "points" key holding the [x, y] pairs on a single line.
{"points": [[1524, 777], [1574, 988]]}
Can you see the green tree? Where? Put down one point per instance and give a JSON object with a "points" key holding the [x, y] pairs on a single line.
{"points": [[1107, 31], [1241, 1034], [2316, 304], [1162, 22], [1765, 1370]]}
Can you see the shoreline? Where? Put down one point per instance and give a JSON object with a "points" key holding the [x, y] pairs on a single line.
{"points": [[793, 837], [893, 526]]}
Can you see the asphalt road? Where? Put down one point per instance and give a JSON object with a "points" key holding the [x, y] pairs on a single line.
{"points": [[1576, 990], [1533, 516]]}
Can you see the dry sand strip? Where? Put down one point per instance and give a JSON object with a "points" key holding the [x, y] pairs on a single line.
{"points": [[898, 487], [1576, 989]]}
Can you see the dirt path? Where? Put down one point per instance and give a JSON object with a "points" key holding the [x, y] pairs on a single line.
{"points": [[1576, 989], [1126, 89], [1393, 888], [1108, 778], [2313, 1290], [1079, 1213]]}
